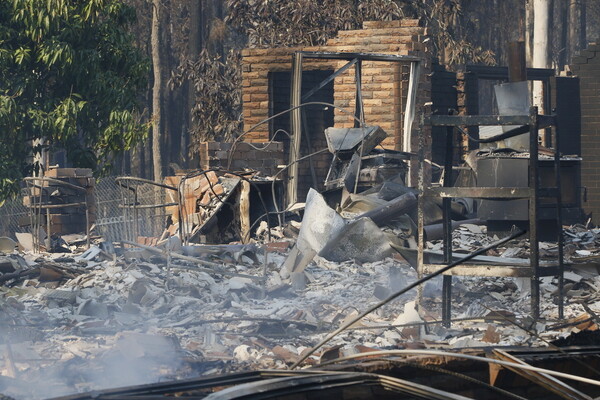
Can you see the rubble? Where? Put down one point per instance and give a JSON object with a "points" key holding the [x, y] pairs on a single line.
{"points": [[101, 315], [135, 312]]}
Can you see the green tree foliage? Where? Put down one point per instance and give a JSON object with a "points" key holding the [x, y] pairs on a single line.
{"points": [[69, 73]]}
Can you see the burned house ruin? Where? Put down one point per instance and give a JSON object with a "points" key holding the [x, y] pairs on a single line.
{"points": [[384, 227]]}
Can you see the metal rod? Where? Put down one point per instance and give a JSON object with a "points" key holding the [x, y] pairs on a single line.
{"points": [[360, 56], [439, 353], [55, 181], [539, 337], [359, 118], [296, 128], [147, 206], [420, 210], [478, 120], [447, 224], [560, 240], [534, 254], [552, 384], [119, 180], [401, 292], [358, 106], [329, 79], [51, 206]]}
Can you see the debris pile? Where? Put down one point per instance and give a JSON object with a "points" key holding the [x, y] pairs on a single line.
{"points": [[97, 320], [172, 307], [237, 282]]}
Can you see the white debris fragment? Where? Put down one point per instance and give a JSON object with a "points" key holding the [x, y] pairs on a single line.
{"points": [[237, 283], [244, 353], [409, 315]]}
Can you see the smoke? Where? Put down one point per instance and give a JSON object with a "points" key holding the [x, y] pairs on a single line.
{"points": [[134, 359]]}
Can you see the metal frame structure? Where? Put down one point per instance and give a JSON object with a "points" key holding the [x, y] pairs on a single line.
{"points": [[131, 208], [500, 73], [530, 124], [353, 59], [38, 205]]}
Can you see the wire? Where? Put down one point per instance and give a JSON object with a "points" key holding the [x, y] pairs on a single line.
{"points": [[464, 377], [283, 169], [235, 142], [550, 344], [406, 289], [266, 144], [464, 356], [260, 219], [473, 138], [426, 323]]}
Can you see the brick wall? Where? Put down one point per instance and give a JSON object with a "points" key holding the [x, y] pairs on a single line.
{"points": [[384, 84], [257, 156], [587, 67]]}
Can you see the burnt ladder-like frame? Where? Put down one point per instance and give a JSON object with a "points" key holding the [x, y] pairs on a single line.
{"points": [[534, 122]]}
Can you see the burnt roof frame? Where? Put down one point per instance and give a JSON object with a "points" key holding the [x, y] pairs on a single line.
{"points": [[296, 99]]}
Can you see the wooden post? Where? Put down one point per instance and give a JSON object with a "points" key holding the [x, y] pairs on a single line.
{"points": [[517, 68], [244, 207]]}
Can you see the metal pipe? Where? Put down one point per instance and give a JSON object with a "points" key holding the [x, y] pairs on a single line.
{"points": [[436, 231], [296, 128]]}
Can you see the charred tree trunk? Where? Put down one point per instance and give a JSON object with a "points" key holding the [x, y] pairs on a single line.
{"points": [[529, 31], [560, 43], [576, 41], [541, 49], [195, 41], [156, 91]]}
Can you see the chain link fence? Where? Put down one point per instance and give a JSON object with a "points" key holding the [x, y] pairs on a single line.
{"points": [[13, 215], [113, 221]]}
